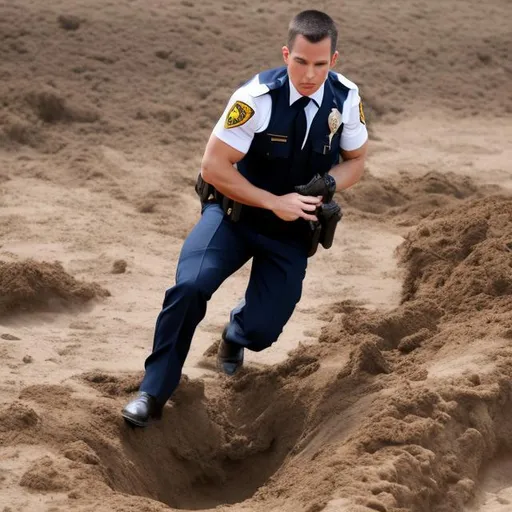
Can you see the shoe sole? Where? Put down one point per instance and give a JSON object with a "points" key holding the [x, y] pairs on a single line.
{"points": [[220, 368], [220, 362], [134, 421]]}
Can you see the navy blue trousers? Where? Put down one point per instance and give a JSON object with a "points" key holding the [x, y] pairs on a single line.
{"points": [[215, 249]]}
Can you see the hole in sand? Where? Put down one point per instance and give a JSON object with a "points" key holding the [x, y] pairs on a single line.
{"points": [[205, 453]]}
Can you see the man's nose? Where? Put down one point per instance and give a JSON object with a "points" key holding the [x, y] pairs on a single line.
{"points": [[310, 73]]}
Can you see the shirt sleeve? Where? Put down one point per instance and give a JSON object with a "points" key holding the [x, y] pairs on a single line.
{"points": [[354, 133], [240, 121]]}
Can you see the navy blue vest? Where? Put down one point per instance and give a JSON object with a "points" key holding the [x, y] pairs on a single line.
{"points": [[269, 164]]}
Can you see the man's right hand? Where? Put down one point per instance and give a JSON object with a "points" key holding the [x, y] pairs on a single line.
{"points": [[324, 186], [293, 206]]}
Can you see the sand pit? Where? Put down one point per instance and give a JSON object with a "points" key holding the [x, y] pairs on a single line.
{"points": [[390, 389]]}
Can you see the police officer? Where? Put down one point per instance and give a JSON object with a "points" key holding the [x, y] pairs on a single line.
{"points": [[268, 175]]}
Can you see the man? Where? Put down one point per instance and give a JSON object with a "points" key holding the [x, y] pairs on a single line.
{"points": [[268, 175]]}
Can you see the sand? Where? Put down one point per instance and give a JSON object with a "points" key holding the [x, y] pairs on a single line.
{"points": [[390, 388]]}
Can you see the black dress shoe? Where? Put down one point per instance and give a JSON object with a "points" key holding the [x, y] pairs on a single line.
{"points": [[230, 357], [141, 409]]}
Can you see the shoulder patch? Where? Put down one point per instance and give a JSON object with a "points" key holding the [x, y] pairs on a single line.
{"points": [[361, 113], [238, 115]]}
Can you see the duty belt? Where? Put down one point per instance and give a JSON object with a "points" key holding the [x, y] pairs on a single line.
{"points": [[312, 233], [209, 194]]}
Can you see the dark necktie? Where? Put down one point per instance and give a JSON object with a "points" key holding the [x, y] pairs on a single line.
{"points": [[300, 125]]}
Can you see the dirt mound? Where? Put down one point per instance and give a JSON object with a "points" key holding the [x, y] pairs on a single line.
{"points": [[27, 113], [424, 439], [43, 476], [51, 107], [409, 198], [16, 130], [462, 258], [40, 286], [17, 417], [112, 385]]}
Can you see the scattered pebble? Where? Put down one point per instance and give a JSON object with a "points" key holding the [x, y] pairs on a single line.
{"points": [[28, 359], [119, 267], [162, 54], [69, 22]]}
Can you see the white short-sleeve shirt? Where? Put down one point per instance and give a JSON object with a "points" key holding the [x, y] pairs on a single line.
{"points": [[353, 136]]}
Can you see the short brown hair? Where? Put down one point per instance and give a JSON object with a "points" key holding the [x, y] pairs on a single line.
{"points": [[315, 26]]}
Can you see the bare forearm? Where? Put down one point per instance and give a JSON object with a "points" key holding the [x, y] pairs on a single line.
{"points": [[227, 180], [348, 173], [351, 169]]}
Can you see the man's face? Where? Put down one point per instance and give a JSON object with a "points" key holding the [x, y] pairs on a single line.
{"points": [[308, 63]]}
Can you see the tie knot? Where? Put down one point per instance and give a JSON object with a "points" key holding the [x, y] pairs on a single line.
{"points": [[302, 102]]}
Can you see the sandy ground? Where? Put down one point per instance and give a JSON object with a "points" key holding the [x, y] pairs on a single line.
{"points": [[390, 388]]}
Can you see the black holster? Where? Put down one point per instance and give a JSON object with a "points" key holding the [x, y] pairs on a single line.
{"points": [[322, 231], [329, 215], [209, 194], [315, 233], [205, 191], [231, 208]]}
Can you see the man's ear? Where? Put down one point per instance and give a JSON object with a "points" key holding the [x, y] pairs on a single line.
{"points": [[334, 58], [286, 54]]}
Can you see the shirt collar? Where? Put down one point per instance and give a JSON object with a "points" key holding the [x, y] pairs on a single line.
{"points": [[317, 96]]}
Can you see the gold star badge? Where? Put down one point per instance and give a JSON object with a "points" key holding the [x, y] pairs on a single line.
{"points": [[238, 115]]}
